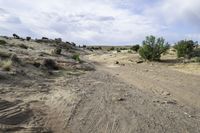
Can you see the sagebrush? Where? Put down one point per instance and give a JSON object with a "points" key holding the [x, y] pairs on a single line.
{"points": [[153, 48], [185, 48]]}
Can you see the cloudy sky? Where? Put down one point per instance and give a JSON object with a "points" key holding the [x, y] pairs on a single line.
{"points": [[101, 21]]}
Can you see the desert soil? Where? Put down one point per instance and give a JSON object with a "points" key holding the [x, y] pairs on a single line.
{"points": [[116, 98]]}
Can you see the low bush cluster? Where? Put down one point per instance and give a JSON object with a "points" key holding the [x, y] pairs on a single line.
{"points": [[135, 48], [185, 48], [111, 49], [94, 48]]}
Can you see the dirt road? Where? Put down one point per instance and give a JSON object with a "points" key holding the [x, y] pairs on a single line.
{"points": [[113, 99], [156, 78], [113, 106]]}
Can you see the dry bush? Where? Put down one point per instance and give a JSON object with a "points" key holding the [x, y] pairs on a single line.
{"points": [[6, 65], [23, 46], [4, 54], [50, 64], [56, 51], [2, 42]]}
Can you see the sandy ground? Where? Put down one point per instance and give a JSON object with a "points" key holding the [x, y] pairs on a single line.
{"points": [[116, 98], [178, 81]]}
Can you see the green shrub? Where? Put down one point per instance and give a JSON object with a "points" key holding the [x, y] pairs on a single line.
{"points": [[123, 48], [153, 48], [135, 48], [184, 48], [76, 57], [2, 42], [118, 50], [112, 48], [198, 59]]}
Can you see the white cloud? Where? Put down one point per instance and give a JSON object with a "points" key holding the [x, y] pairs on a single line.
{"points": [[173, 11], [98, 21]]}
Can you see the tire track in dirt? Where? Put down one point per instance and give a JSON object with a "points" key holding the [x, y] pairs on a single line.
{"points": [[112, 106]]}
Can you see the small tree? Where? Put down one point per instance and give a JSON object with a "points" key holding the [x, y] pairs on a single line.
{"points": [[153, 48], [135, 48], [28, 38], [184, 48]]}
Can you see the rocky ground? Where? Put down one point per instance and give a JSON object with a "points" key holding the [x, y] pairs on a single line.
{"points": [[114, 98]]}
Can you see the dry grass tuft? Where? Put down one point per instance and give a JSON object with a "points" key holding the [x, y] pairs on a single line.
{"points": [[6, 65], [2, 42], [4, 54]]}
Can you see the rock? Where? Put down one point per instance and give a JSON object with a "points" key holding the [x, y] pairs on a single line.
{"points": [[139, 61], [118, 99], [172, 102], [3, 75], [85, 67], [14, 58], [169, 102], [117, 62], [166, 93], [36, 64], [190, 116], [156, 101], [121, 99]]}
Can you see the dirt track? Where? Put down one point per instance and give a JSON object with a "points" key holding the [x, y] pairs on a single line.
{"points": [[111, 105], [156, 78], [113, 99]]}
